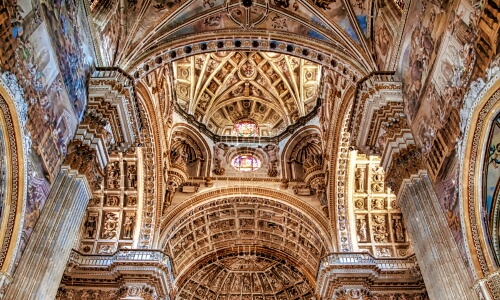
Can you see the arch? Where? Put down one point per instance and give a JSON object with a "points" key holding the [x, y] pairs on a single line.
{"points": [[295, 144], [241, 218], [305, 48], [17, 147], [153, 159], [483, 111], [178, 227]]}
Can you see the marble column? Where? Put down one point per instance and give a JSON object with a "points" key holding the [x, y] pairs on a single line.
{"points": [[441, 264], [44, 259]]}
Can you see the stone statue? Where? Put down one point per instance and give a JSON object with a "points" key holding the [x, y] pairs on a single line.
{"points": [[128, 227], [90, 227], [398, 229], [361, 229], [170, 192], [132, 176], [219, 158], [360, 180]]}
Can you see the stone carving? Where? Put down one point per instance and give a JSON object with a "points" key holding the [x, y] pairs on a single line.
{"points": [[91, 225], [169, 193], [383, 252], [113, 175], [398, 230], [379, 228], [284, 184], [405, 163], [377, 184], [361, 229], [179, 159], [272, 153], [359, 177], [302, 190], [128, 225], [112, 200], [110, 226], [378, 203], [359, 203], [95, 201], [220, 158], [131, 200], [83, 159], [132, 176], [106, 249], [313, 160]]}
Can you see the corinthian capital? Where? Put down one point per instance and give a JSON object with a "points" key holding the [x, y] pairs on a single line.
{"points": [[83, 159]]}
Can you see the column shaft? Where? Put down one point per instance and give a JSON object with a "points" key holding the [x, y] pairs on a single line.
{"points": [[42, 265], [444, 271]]}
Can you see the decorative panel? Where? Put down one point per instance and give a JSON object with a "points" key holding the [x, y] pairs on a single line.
{"points": [[374, 210], [112, 213]]}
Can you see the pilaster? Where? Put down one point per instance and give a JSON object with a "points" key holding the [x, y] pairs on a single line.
{"points": [[442, 267], [380, 104], [41, 267]]}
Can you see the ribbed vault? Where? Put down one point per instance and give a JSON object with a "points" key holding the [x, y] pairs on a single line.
{"points": [[219, 89]]}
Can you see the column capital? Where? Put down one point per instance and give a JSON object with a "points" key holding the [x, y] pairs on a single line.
{"points": [[405, 163], [82, 158]]}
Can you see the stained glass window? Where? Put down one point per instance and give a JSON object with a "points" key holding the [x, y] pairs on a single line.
{"points": [[246, 163], [246, 128]]}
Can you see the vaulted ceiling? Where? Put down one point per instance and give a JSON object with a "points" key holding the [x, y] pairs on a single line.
{"points": [[274, 90], [133, 30]]}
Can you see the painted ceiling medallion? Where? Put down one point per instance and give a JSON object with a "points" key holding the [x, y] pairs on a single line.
{"points": [[246, 13], [246, 128]]}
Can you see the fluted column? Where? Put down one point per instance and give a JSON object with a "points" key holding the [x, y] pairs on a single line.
{"points": [[42, 264], [441, 264]]}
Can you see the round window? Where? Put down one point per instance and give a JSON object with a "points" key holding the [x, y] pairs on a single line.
{"points": [[246, 163]]}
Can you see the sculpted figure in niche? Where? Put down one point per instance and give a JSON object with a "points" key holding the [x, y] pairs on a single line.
{"points": [[132, 176], [170, 192], [90, 227], [272, 153], [360, 180], [219, 158], [361, 229], [398, 229], [180, 159], [128, 227]]}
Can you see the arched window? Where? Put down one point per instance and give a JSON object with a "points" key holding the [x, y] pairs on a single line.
{"points": [[246, 128], [246, 163]]}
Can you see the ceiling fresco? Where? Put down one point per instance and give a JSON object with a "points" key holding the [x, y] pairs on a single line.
{"points": [[146, 26], [273, 90]]}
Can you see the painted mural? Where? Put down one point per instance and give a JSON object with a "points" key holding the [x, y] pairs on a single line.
{"points": [[54, 85], [437, 61], [337, 14], [383, 40], [362, 11]]}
